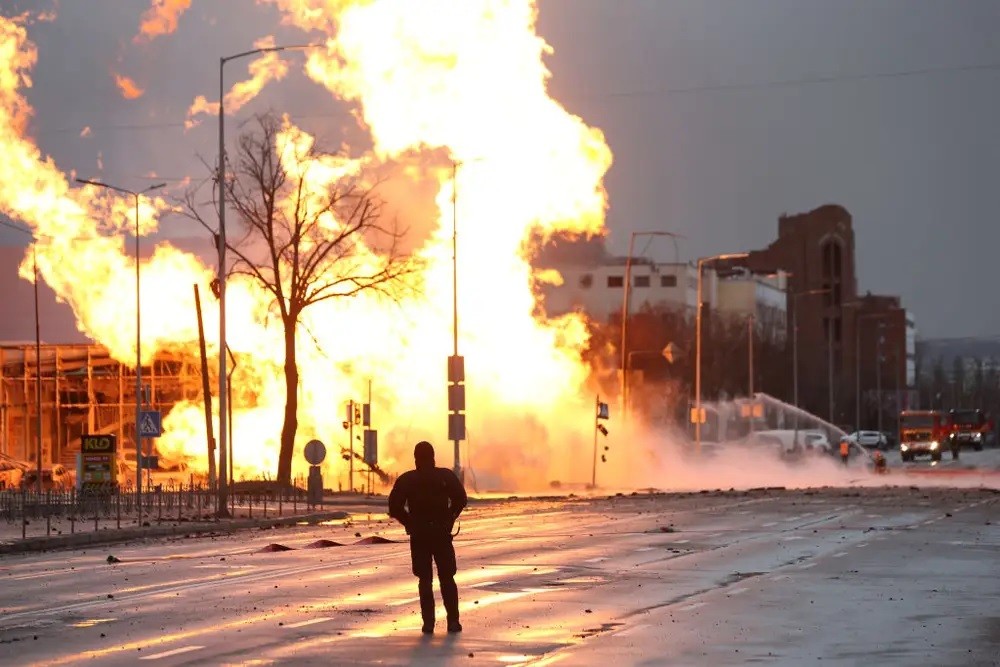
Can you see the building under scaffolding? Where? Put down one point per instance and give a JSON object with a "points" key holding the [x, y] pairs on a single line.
{"points": [[83, 391]]}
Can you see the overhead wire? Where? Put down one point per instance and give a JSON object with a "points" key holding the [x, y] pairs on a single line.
{"points": [[636, 93], [803, 81], [36, 236]]}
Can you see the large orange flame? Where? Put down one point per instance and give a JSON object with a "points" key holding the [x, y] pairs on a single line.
{"points": [[462, 78], [161, 19]]}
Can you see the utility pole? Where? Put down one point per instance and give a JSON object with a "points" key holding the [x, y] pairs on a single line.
{"points": [[457, 464], [753, 403], [38, 369], [750, 322], [627, 285], [350, 440], [697, 342], [829, 362], [878, 375]]}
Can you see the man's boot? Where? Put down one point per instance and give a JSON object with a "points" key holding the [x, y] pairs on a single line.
{"points": [[426, 590], [449, 594]]}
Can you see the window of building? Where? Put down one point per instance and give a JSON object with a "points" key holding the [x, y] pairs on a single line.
{"points": [[668, 281], [616, 281], [833, 269], [586, 280], [641, 281]]}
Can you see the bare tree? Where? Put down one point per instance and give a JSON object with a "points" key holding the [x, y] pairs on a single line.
{"points": [[304, 243]]}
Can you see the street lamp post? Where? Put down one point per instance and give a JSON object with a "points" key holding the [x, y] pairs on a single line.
{"points": [[857, 365], [38, 370], [878, 374], [221, 177], [625, 307], [697, 342], [138, 338], [38, 364], [795, 344]]}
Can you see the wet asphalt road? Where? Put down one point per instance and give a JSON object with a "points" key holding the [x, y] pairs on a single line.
{"points": [[903, 576]]}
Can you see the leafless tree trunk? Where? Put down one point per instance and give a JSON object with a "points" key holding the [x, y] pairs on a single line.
{"points": [[304, 243]]}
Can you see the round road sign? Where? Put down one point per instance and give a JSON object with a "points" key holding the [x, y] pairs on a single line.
{"points": [[315, 452]]}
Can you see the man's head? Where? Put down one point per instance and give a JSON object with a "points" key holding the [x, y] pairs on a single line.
{"points": [[423, 454]]}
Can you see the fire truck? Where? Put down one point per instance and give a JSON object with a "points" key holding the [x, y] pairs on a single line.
{"points": [[968, 428], [923, 432]]}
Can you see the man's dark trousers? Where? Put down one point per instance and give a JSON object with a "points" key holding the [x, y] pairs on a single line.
{"points": [[435, 544]]}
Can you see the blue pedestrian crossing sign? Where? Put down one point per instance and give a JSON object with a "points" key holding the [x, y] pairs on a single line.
{"points": [[150, 425]]}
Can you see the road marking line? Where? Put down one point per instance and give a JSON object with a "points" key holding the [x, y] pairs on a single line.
{"points": [[693, 605], [167, 654], [646, 549], [681, 541], [311, 621], [839, 555], [769, 524], [596, 560], [806, 566]]}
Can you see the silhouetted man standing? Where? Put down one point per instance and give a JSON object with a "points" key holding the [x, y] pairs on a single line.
{"points": [[427, 501]]}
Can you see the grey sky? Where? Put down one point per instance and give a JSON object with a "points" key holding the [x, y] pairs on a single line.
{"points": [[913, 158]]}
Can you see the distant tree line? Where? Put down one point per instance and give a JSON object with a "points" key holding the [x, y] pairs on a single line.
{"points": [[961, 382]]}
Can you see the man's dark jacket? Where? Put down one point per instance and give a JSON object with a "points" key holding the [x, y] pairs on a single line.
{"points": [[427, 500]]}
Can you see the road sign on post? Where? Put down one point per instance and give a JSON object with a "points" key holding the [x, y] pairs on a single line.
{"points": [[315, 452], [371, 447], [150, 424]]}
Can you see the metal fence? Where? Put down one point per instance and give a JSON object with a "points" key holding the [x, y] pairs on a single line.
{"points": [[103, 510]]}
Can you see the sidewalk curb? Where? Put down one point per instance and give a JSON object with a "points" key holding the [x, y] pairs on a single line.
{"points": [[112, 536]]}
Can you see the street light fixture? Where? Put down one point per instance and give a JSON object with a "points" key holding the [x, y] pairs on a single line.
{"points": [[138, 338], [221, 176], [625, 308], [697, 340]]}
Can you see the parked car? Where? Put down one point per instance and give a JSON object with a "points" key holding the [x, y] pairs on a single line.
{"points": [[869, 439]]}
